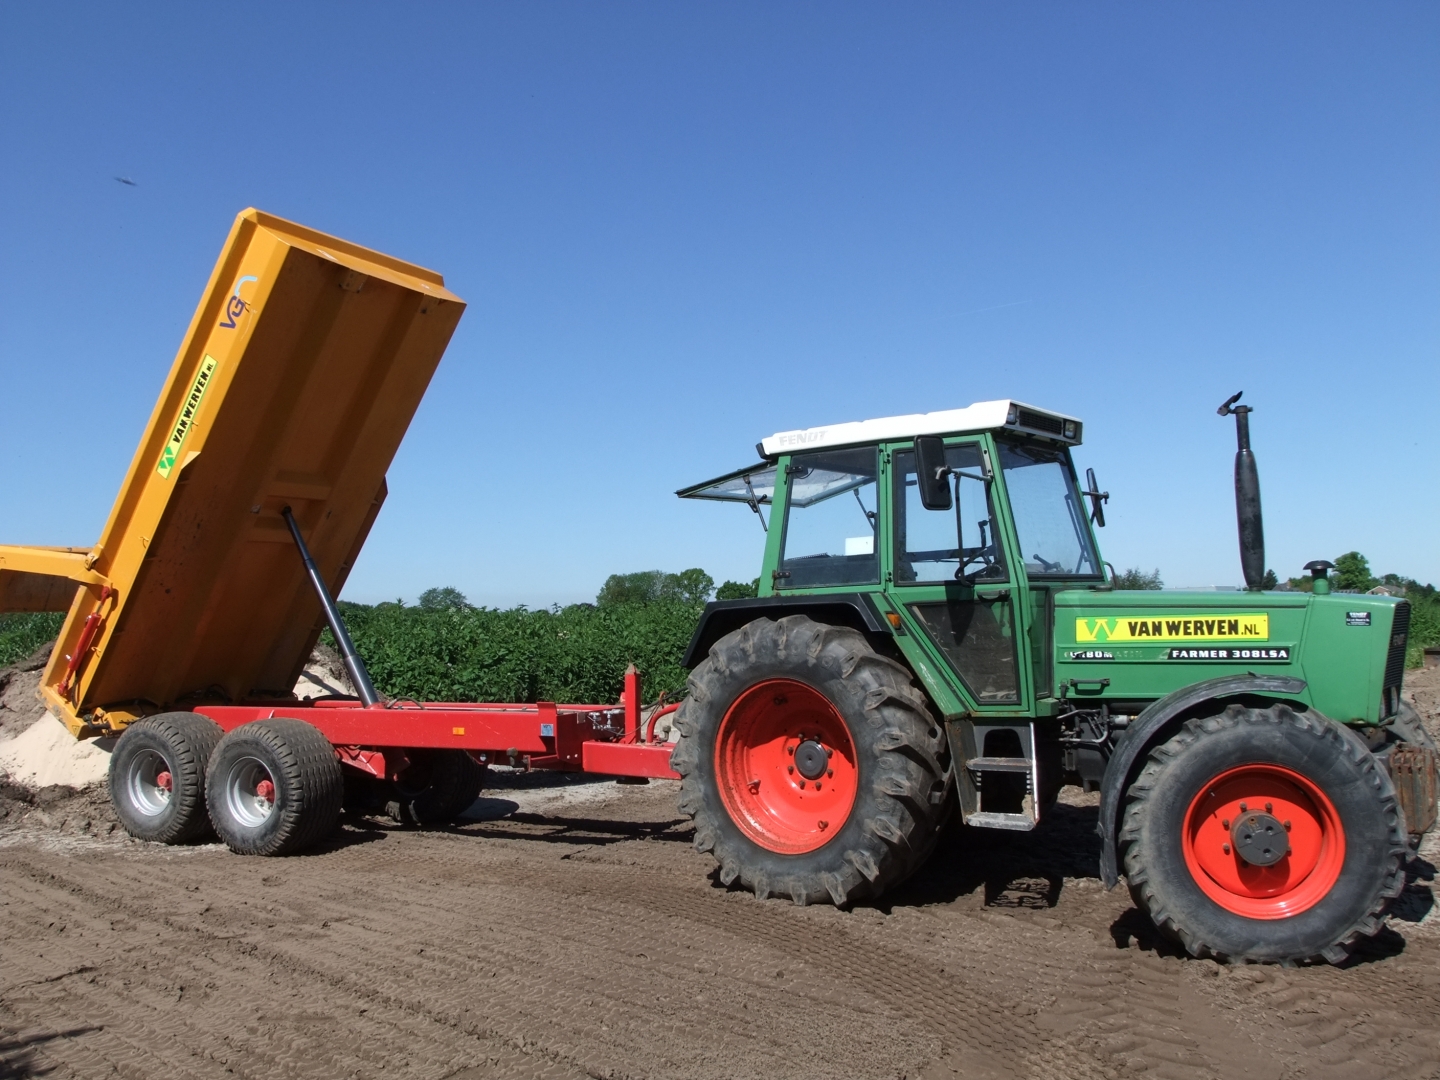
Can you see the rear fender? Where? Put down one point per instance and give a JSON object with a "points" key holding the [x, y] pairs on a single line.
{"points": [[1158, 722], [840, 609]]}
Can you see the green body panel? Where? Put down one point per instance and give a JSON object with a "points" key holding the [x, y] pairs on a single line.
{"points": [[1145, 643], [1150, 643]]}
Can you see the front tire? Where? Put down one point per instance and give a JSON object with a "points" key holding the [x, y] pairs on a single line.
{"points": [[1409, 728], [274, 787], [157, 776], [811, 764], [1264, 835]]}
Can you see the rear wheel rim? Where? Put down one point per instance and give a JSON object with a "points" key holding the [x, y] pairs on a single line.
{"points": [[1228, 809], [150, 783], [786, 766], [250, 792]]}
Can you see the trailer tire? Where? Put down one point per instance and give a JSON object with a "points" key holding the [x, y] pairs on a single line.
{"points": [[438, 787], [774, 692], [274, 787], [157, 776], [1325, 797]]}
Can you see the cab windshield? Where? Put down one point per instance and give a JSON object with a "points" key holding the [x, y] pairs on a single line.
{"points": [[830, 520], [1049, 519]]}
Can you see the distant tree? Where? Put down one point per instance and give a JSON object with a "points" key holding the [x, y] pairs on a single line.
{"points": [[738, 590], [1135, 578], [443, 599], [1270, 581], [641, 587], [1352, 573], [692, 586]]}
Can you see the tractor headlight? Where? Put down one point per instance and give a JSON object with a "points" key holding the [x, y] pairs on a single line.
{"points": [[1013, 415], [1071, 429]]}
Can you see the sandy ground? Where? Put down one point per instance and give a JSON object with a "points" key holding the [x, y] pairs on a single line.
{"points": [[569, 930]]}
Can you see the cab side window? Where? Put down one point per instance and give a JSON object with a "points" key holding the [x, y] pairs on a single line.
{"points": [[937, 546], [830, 520]]}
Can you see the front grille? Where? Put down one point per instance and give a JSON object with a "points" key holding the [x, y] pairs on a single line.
{"points": [[1399, 637], [1040, 422]]}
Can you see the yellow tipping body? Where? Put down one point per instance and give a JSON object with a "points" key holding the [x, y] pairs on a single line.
{"points": [[297, 379]]}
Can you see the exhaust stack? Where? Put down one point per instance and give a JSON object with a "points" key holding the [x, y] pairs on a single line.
{"points": [[1247, 497]]}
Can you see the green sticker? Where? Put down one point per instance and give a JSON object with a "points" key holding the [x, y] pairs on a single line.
{"points": [[186, 420]]}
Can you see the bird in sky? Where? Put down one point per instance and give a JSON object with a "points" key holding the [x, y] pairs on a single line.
{"points": [[127, 181]]}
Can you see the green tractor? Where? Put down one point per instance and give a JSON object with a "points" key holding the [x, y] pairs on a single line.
{"points": [[937, 634]]}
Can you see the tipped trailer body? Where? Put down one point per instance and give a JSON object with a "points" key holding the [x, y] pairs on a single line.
{"points": [[255, 484]]}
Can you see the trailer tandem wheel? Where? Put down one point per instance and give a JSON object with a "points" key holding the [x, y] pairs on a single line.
{"points": [[1264, 835], [438, 787], [157, 776], [810, 763], [274, 787]]}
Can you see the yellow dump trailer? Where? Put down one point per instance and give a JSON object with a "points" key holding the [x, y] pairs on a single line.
{"points": [[247, 502], [296, 381]]}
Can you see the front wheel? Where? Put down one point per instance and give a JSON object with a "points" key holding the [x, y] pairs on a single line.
{"points": [[1264, 835], [811, 764]]}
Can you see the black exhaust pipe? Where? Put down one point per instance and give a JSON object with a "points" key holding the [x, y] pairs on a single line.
{"points": [[1247, 497]]}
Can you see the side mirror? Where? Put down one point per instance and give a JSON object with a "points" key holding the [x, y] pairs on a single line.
{"points": [[932, 473], [1097, 498]]}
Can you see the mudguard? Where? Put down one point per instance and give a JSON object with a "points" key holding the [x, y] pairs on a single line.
{"points": [[1130, 751], [722, 616]]}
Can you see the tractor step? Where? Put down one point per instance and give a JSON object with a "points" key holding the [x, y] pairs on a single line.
{"points": [[999, 764], [999, 781], [1013, 822]]}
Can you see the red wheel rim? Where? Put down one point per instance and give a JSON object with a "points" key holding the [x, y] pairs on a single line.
{"points": [[1301, 877], [772, 801]]}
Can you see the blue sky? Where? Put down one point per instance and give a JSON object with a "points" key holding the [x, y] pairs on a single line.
{"points": [[682, 227]]}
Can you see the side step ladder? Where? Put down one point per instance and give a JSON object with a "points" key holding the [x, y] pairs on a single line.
{"points": [[999, 783]]}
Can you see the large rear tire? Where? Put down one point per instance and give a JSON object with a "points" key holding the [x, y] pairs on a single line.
{"points": [[157, 776], [274, 787], [1264, 835], [811, 764]]}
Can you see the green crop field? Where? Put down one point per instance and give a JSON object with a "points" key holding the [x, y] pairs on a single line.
{"points": [[445, 649], [21, 635]]}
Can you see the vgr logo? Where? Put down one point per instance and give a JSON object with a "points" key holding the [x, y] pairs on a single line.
{"points": [[235, 306]]}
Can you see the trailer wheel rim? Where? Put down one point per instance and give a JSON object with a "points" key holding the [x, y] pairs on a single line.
{"points": [[786, 766], [1307, 820], [250, 792], [149, 783]]}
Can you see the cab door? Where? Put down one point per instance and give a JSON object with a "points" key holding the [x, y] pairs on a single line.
{"points": [[951, 577]]}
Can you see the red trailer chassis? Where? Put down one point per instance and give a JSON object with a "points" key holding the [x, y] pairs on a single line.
{"points": [[608, 739]]}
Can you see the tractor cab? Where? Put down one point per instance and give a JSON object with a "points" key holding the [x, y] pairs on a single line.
{"points": [[949, 529]]}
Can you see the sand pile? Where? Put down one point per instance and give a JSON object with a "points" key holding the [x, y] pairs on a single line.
{"points": [[324, 676]]}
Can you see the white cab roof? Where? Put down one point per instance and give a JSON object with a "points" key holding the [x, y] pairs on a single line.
{"points": [[982, 416]]}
